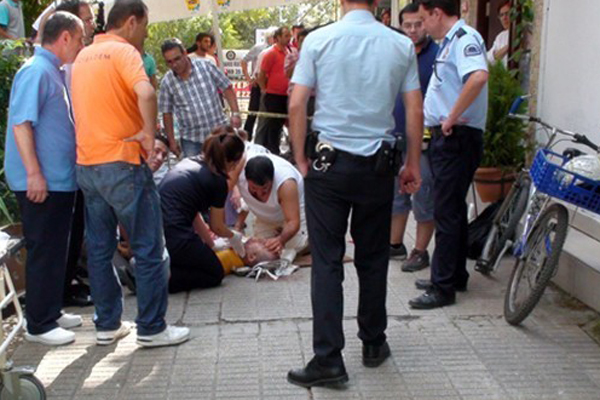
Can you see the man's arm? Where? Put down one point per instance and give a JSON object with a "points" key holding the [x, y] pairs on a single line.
{"points": [[168, 124], [290, 205], [297, 112], [475, 83], [246, 73], [5, 35], [148, 108], [262, 80], [231, 99], [37, 191], [410, 177]]}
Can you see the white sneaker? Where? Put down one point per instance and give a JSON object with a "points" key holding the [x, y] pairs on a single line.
{"points": [[68, 321], [55, 337], [105, 338], [171, 336]]}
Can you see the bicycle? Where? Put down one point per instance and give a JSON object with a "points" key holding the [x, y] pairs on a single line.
{"points": [[538, 246]]}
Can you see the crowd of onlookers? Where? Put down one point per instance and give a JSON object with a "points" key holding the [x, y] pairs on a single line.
{"points": [[161, 185]]}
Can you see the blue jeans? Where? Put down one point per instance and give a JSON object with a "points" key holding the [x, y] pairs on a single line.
{"points": [[190, 148], [126, 194]]}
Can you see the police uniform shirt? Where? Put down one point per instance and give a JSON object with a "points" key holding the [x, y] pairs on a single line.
{"points": [[357, 67], [461, 53]]}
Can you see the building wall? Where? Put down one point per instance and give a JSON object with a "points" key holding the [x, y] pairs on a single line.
{"points": [[568, 80]]}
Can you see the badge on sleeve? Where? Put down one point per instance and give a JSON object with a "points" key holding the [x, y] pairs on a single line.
{"points": [[472, 50]]}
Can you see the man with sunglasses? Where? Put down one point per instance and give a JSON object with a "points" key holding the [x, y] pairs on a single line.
{"points": [[455, 112]]}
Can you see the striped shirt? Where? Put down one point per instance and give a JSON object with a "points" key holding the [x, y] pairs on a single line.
{"points": [[195, 101]]}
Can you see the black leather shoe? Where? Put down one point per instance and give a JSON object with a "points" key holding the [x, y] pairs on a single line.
{"points": [[78, 300], [425, 284], [315, 374], [432, 298], [78, 296], [374, 356]]}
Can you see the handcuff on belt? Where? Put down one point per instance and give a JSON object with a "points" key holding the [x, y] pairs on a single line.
{"points": [[325, 157]]}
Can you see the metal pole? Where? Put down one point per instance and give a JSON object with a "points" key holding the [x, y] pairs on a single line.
{"points": [[217, 32]]}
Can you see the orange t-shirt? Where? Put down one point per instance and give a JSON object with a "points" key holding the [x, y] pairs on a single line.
{"points": [[104, 102]]}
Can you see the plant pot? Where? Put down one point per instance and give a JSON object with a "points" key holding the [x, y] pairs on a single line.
{"points": [[493, 184]]}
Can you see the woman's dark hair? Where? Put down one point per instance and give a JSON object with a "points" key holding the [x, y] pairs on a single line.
{"points": [[502, 4], [222, 146]]}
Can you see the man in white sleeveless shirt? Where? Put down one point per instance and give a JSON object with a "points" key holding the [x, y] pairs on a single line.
{"points": [[273, 190]]}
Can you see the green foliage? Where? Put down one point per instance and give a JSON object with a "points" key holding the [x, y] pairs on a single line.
{"points": [[12, 58], [505, 139], [31, 10], [238, 28], [522, 12]]}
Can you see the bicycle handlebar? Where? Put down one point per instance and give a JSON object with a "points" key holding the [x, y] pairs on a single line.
{"points": [[577, 138]]}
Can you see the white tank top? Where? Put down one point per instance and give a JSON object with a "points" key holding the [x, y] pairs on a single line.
{"points": [[271, 210]]}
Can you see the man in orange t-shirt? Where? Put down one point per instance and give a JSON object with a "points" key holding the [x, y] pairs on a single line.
{"points": [[273, 82], [114, 106]]}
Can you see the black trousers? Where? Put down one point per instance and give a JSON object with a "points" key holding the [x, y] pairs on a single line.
{"points": [[350, 185], [193, 264], [454, 160], [253, 106], [269, 133], [75, 242], [46, 228]]}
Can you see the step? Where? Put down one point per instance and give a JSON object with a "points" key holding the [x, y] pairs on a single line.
{"points": [[579, 269]]}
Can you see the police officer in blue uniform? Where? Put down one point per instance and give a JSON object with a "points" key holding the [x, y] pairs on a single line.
{"points": [[357, 67], [455, 111]]}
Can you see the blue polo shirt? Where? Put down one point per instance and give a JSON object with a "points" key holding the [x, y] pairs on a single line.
{"points": [[357, 66], [461, 53], [425, 59], [39, 96]]}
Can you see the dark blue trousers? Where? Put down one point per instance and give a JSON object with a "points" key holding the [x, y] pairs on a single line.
{"points": [[454, 160], [46, 228], [349, 187]]}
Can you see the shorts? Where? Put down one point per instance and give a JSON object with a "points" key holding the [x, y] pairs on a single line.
{"points": [[421, 203]]}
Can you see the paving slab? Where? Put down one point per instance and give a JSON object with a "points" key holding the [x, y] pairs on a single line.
{"points": [[246, 335]]}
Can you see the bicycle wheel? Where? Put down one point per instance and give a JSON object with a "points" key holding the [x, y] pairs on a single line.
{"points": [[505, 224], [532, 272], [31, 389]]}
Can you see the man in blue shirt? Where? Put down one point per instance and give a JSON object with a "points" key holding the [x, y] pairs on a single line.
{"points": [[355, 98], [40, 170], [455, 112], [421, 203]]}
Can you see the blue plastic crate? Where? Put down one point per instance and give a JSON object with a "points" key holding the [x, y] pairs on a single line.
{"points": [[549, 177]]}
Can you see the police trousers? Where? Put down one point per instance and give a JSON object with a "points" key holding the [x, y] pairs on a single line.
{"points": [[454, 160], [349, 186]]}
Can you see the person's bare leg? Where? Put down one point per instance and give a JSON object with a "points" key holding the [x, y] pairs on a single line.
{"points": [[424, 234], [399, 222]]}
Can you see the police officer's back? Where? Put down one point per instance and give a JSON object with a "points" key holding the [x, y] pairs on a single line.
{"points": [[357, 67]]}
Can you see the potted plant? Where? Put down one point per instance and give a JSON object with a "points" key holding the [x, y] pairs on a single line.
{"points": [[505, 142]]}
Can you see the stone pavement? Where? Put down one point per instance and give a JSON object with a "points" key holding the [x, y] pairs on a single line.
{"points": [[246, 335]]}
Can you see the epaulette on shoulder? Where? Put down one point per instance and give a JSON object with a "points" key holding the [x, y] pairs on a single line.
{"points": [[460, 33]]}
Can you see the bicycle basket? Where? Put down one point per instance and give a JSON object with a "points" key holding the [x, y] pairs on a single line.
{"points": [[551, 178]]}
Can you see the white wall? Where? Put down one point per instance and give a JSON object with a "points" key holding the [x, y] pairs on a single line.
{"points": [[569, 85]]}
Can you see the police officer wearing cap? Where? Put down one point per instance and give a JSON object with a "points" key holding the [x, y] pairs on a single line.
{"points": [[455, 111], [357, 67]]}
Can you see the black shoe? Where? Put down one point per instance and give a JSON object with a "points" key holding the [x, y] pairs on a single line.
{"points": [[374, 356], [398, 251], [432, 298], [315, 374], [425, 284], [77, 300], [417, 261]]}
